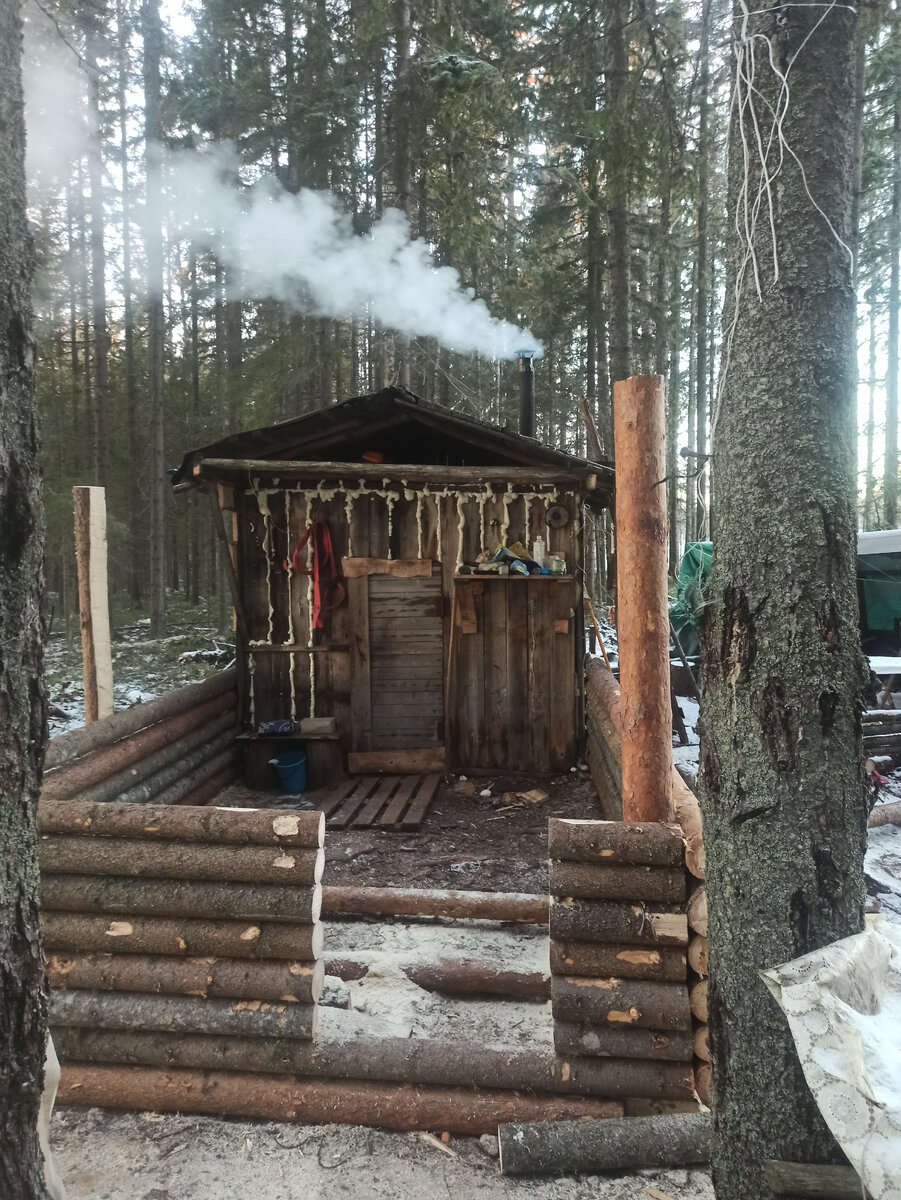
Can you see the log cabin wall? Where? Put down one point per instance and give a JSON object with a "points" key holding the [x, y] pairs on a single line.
{"points": [[504, 691]]}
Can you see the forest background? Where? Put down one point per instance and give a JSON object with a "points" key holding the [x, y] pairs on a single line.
{"points": [[566, 159]]}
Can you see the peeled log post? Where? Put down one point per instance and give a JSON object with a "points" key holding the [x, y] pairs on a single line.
{"points": [[412, 902], [66, 747], [101, 764], [671, 1045], [82, 933], [572, 1147], [317, 1102], [620, 1003], [109, 894], [635, 843], [127, 857], [599, 961], [234, 826], [642, 614], [169, 757], [602, 692], [597, 881], [609, 921], [225, 978], [385, 1060]]}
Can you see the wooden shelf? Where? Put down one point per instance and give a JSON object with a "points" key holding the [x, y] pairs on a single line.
{"points": [[508, 578], [287, 737]]}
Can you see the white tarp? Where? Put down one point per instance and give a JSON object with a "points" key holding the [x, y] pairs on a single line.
{"points": [[843, 1005]]}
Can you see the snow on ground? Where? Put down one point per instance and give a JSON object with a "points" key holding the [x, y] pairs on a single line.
{"points": [[143, 667]]}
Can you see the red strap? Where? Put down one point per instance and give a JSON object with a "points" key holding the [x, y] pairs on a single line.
{"points": [[328, 590]]}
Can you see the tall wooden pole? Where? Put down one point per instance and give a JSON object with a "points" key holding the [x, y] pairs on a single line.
{"points": [[93, 601], [642, 616]]}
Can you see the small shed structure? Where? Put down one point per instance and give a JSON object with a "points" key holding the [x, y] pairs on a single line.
{"points": [[422, 665]]}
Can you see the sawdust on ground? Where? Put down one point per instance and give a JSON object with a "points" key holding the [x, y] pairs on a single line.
{"points": [[144, 1156]]}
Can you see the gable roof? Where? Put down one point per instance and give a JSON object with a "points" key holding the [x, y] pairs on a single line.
{"points": [[402, 427]]}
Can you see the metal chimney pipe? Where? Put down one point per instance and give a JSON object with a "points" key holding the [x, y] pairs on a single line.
{"points": [[526, 394]]}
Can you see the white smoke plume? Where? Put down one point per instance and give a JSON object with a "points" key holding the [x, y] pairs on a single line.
{"points": [[302, 250]]}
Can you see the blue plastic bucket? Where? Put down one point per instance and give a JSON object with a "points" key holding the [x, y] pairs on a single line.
{"points": [[291, 768]]}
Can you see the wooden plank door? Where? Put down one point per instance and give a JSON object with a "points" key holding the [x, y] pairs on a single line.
{"points": [[397, 663]]}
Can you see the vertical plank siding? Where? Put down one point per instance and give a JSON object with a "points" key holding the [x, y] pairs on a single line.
{"points": [[385, 658]]}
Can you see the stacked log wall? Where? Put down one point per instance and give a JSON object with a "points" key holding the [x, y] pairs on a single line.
{"points": [[619, 942], [178, 922], [184, 959], [178, 749], [603, 716]]}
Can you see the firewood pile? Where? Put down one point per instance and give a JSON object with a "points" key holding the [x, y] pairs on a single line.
{"points": [[179, 749], [166, 924], [619, 940]]}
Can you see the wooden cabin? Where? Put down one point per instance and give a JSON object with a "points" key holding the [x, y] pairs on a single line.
{"points": [[421, 664]]}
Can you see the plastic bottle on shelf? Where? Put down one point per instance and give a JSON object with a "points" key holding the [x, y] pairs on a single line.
{"points": [[538, 550]]}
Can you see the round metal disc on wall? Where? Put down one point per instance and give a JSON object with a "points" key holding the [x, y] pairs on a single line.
{"points": [[558, 516]]}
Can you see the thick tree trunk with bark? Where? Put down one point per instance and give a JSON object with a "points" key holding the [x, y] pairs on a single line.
{"points": [[22, 706], [784, 815], [617, 164], [890, 481], [153, 246]]}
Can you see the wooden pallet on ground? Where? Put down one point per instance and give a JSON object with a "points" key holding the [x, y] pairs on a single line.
{"points": [[387, 801]]}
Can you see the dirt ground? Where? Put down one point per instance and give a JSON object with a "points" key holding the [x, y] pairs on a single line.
{"points": [[495, 842], [144, 1156]]}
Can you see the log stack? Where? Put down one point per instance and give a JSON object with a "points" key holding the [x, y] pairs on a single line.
{"points": [[619, 939], [180, 921], [881, 729], [179, 749]]}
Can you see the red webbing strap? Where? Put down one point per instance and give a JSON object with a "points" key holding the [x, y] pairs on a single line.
{"points": [[328, 590]]}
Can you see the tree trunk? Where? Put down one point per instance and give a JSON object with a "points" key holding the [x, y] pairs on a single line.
{"points": [[890, 480], [345, 1102], [570, 1147], [153, 247], [67, 932], [136, 541], [599, 961], [23, 726], [100, 357], [127, 857], [869, 503], [380, 1059], [260, 827], [139, 1013], [782, 796], [703, 289], [669, 1045], [221, 978], [617, 163], [179, 898]]}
